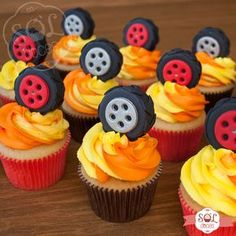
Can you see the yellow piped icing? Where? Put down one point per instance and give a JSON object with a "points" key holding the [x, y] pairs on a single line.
{"points": [[9, 73], [138, 63], [108, 154], [175, 103], [209, 178], [216, 72]]}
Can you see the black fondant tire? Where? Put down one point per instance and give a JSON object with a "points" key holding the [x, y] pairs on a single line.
{"points": [[213, 41], [141, 32], [220, 124], [179, 66], [40, 89], [28, 45], [127, 110], [79, 22], [101, 58]]}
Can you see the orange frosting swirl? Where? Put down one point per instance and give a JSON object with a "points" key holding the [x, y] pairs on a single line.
{"points": [[84, 92], [68, 49], [22, 129], [105, 155], [175, 103], [138, 63], [216, 72]]}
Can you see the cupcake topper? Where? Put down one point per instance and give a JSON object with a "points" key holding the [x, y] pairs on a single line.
{"points": [[213, 41], [79, 22], [127, 110], [28, 45], [220, 126], [179, 66], [101, 58], [141, 32], [39, 88]]}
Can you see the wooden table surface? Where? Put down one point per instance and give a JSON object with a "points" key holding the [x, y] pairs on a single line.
{"points": [[63, 209]]}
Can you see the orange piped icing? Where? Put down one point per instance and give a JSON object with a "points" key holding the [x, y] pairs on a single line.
{"points": [[216, 72], [68, 49], [84, 93], [108, 154], [138, 63], [22, 129], [175, 103]]}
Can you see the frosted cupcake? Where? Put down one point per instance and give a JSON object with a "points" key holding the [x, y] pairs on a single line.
{"points": [[78, 27], [179, 106], [208, 179], [34, 135], [84, 89], [120, 164], [139, 55], [8, 74], [212, 47]]}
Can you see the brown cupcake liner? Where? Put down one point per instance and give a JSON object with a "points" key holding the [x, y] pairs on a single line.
{"points": [[80, 125], [213, 98], [121, 205]]}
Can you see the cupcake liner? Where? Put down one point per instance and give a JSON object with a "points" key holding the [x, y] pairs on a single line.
{"points": [[177, 145], [4, 100], [193, 231], [214, 97], [38, 173], [121, 205], [80, 125]]}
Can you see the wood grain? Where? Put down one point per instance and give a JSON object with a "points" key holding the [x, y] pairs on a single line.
{"points": [[63, 209]]}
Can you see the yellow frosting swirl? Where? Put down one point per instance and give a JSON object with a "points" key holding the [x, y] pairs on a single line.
{"points": [[22, 129], [175, 103], [9, 73], [209, 178], [216, 71], [105, 155], [138, 63], [68, 49], [84, 93]]}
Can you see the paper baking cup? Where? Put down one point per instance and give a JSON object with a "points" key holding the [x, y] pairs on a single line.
{"points": [[4, 100], [121, 205], [213, 98], [193, 231], [38, 173], [80, 125], [177, 146]]}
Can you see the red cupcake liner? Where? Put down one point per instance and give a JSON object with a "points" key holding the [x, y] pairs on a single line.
{"points": [[39, 173], [177, 146], [193, 231], [4, 100]]}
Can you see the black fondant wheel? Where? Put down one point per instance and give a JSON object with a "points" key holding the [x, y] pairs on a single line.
{"points": [[179, 66], [127, 110], [28, 45], [141, 32], [77, 21], [213, 41], [101, 58], [39, 88], [220, 125]]}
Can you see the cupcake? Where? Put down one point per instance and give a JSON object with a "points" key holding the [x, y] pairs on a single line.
{"points": [[78, 27], [179, 106], [34, 136], [26, 48], [139, 55], [120, 164], [85, 88], [217, 81], [208, 179], [8, 74]]}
